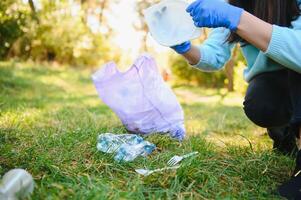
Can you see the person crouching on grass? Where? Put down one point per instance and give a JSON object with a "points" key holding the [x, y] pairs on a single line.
{"points": [[269, 33]]}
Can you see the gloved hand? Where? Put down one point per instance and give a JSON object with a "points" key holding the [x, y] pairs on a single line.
{"points": [[182, 48], [214, 13]]}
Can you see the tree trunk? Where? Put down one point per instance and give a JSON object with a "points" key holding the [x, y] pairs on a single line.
{"points": [[32, 7], [33, 10], [144, 42], [229, 70], [103, 6]]}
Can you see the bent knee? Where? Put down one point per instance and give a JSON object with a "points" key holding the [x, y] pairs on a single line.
{"points": [[265, 115]]}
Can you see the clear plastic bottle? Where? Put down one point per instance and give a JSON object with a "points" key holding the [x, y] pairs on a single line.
{"points": [[110, 143], [126, 146], [129, 152], [16, 184]]}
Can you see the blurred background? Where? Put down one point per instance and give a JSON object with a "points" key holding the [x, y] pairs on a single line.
{"points": [[89, 33]]}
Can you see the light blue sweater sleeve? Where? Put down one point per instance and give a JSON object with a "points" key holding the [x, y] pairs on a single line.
{"points": [[215, 51], [285, 46]]}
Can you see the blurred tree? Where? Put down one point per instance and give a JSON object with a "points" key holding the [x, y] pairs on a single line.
{"points": [[229, 69], [55, 31], [64, 37], [13, 17], [33, 10], [103, 6], [240, 85], [32, 6], [98, 9], [141, 5]]}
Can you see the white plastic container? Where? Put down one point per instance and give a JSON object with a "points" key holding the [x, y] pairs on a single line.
{"points": [[170, 24], [16, 184]]}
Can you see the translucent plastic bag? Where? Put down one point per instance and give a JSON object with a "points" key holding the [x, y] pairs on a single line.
{"points": [[140, 98], [170, 24]]}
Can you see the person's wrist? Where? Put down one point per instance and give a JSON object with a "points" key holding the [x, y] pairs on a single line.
{"points": [[193, 56], [182, 48]]}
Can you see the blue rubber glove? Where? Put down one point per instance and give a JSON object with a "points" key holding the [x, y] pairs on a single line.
{"points": [[182, 48], [214, 13]]}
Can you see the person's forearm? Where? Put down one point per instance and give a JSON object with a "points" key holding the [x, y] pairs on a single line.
{"points": [[254, 30], [193, 56]]}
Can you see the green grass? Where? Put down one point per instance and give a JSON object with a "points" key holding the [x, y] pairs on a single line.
{"points": [[51, 116]]}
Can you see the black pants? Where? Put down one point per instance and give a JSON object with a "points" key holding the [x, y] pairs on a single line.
{"points": [[273, 99]]}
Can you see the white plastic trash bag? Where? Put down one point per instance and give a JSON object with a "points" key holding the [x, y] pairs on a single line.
{"points": [[170, 24], [140, 98]]}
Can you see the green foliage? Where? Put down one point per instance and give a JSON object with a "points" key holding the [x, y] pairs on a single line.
{"points": [[65, 38], [56, 31], [240, 85], [189, 75], [13, 16], [50, 119]]}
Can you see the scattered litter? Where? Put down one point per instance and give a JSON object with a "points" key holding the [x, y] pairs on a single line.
{"points": [[110, 143], [170, 24], [146, 172], [127, 147], [177, 159], [16, 184], [140, 98], [172, 164]]}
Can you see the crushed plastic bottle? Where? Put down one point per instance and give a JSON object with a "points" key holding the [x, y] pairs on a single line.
{"points": [[16, 184], [126, 146], [110, 143], [129, 152]]}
